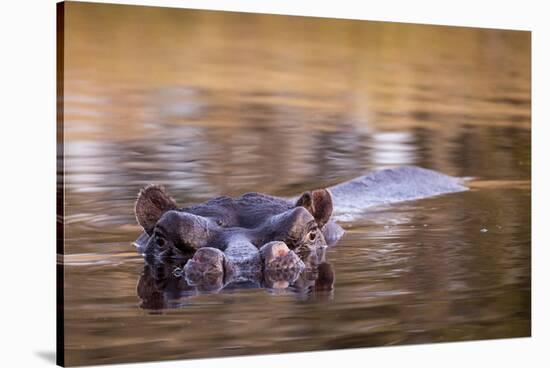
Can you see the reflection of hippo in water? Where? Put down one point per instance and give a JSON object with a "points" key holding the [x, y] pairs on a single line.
{"points": [[163, 284], [256, 234]]}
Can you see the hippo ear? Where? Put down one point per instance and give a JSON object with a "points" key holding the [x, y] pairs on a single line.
{"points": [[151, 203], [318, 203]]}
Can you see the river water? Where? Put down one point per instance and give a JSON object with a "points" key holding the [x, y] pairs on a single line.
{"points": [[224, 103]]}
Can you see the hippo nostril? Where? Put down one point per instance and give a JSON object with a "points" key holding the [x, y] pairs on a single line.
{"points": [[281, 252], [312, 235], [280, 249]]}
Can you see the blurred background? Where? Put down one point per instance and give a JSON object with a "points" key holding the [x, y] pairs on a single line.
{"points": [[212, 103]]}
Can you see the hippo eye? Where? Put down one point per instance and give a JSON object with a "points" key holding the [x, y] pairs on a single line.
{"points": [[312, 235], [161, 242]]}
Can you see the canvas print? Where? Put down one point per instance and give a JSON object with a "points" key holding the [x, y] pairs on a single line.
{"points": [[234, 184]]}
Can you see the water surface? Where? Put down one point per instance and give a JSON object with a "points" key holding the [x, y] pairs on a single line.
{"points": [[224, 103]]}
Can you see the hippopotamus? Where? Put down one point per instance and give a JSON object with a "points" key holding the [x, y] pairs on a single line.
{"points": [[258, 236], [239, 237]]}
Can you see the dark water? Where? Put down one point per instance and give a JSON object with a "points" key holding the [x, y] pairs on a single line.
{"points": [[218, 103]]}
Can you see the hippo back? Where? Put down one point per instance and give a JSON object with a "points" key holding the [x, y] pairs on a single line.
{"points": [[392, 185]]}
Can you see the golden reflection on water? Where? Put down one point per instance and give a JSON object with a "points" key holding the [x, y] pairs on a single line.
{"points": [[132, 67], [211, 103]]}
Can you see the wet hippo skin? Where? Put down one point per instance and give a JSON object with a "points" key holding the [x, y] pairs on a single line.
{"points": [[164, 284], [243, 238]]}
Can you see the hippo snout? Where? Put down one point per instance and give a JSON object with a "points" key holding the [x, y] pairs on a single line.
{"points": [[277, 256], [206, 270]]}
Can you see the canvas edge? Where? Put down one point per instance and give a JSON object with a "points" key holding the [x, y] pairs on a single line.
{"points": [[60, 183]]}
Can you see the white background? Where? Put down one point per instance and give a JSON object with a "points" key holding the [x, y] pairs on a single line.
{"points": [[27, 179]]}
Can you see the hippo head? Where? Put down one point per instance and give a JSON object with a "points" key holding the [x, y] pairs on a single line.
{"points": [[259, 218]]}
